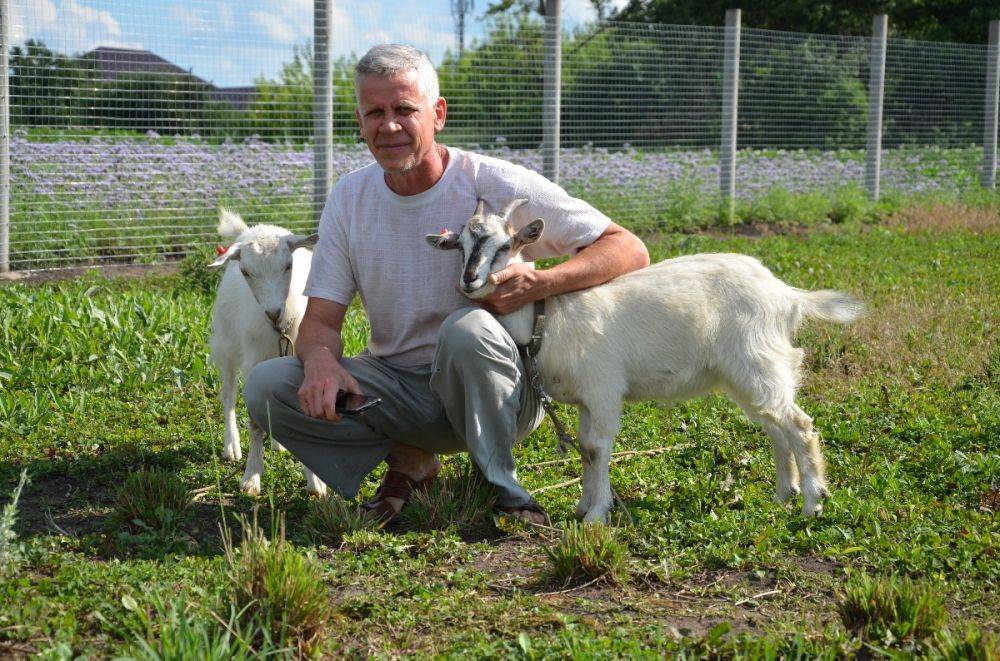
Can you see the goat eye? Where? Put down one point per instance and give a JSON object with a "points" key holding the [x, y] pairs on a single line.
{"points": [[288, 268], [245, 274]]}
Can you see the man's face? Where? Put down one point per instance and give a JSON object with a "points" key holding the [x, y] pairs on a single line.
{"points": [[397, 122]]}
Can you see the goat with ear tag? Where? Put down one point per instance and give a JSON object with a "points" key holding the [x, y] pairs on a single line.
{"points": [[670, 331]]}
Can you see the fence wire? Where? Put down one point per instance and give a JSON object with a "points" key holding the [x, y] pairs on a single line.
{"points": [[121, 153]]}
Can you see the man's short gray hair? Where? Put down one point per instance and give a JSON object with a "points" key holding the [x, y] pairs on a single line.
{"points": [[389, 60]]}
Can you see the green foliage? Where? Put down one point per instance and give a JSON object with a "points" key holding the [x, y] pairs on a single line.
{"points": [[938, 20], [464, 501], [497, 106], [176, 629], [331, 518], [891, 609], [49, 87], [195, 271], [10, 548], [101, 375], [971, 645], [152, 500], [588, 552], [275, 587]]}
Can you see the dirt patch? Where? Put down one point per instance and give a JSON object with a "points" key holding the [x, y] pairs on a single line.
{"points": [[754, 230], [948, 217], [60, 505], [799, 589], [109, 270]]}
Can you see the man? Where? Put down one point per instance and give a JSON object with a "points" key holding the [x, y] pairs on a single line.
{"points": [[449, 376]]}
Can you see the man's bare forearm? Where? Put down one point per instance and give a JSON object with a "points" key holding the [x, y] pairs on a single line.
{"points": [[318, 341], [611, 255]]}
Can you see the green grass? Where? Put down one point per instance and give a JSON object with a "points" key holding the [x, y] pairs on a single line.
{"points": [[100, 378], [588, 552]]}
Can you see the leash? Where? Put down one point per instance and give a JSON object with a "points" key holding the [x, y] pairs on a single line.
{"points": [[285, 346], [535, 379]]}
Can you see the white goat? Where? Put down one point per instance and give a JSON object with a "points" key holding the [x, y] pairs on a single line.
{"points": [[671, 331], [259, 297]]}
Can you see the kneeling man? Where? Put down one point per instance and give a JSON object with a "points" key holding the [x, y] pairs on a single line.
{"points": [[450, 377]]}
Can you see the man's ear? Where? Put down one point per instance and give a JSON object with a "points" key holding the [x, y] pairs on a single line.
{"points": [[528, 234], [232, 252], [444, 240], [296, 241]]}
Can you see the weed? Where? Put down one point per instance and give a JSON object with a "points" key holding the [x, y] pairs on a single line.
{"points": [[196, 273], [972, 645], [891, 609], [276, 589], [176, 630], [464, 501], [588, 552], [10, 548], [330, 519], [152, 500]]}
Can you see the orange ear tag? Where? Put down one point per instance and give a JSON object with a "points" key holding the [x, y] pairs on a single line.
{"points": [[221, 250]]}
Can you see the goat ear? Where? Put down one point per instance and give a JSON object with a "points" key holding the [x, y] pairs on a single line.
{"points": [[444, 241], [296, 241], [529, 233], [230, 224], [233, 252]]}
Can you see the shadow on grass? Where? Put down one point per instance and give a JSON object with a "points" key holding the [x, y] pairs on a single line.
{"points": [[75, 497]]}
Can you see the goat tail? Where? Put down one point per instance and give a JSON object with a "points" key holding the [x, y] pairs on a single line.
{"points": [[231, 226], [830, 305]]}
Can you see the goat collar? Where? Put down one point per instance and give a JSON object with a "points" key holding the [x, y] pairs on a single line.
{"points": [[537, 329]]}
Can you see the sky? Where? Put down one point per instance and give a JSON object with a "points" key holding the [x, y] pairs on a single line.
{"points": [[233, 42]]}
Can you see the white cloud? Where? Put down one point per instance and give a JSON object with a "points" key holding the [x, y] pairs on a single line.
{"points": [[29, 18], [275, 26], [87, 18], [68, 26], [226, 17], [190, 20]]}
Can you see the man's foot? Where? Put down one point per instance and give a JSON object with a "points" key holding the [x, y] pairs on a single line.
{"points": [[529, 513], [395, 491]]}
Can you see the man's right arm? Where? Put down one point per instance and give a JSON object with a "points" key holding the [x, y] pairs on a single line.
{"points": [[319, 347]]}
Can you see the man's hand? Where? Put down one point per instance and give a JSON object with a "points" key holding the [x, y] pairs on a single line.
{"points": [[324, 378], [516, 286]]}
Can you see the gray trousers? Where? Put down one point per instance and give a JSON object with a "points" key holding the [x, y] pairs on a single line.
{"points": [[474, 397]]}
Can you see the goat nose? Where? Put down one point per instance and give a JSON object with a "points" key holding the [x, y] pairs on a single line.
{"points": [[273, 315]]}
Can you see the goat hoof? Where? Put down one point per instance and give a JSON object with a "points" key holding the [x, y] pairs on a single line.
{"points": [[581, 509], [782, 496], [232, 456], [251, 487], [812, 510], [596, 515], [316, 489], [278, 447]]}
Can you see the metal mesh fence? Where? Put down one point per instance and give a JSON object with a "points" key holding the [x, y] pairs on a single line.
{"points": [[124, 153]]}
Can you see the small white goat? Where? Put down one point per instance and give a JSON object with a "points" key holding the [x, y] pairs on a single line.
{"points": [[671, 331], [259, 297]]}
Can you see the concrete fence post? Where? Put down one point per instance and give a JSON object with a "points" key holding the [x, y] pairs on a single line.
{"points": [[992, 102], [4, 136], [730, 104], [876, 95], [322, 106], [552, 90]]}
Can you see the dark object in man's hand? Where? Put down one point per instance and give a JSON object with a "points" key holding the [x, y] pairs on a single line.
{"points": [[349, 403]]}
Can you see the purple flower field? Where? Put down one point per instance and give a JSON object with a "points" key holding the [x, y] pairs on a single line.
{"points": [[123, 198]]}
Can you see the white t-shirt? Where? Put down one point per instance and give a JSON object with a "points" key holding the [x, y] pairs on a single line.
{"points": [[371, 241]]}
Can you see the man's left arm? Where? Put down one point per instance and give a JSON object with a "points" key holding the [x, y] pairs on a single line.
{"points": [[615, 252]]}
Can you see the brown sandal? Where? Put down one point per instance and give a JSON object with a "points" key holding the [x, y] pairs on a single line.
{"points": [[395, 485]]}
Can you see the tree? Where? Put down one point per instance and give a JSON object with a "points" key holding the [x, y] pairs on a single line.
{"points": [[48, 88], [936, 20]]}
